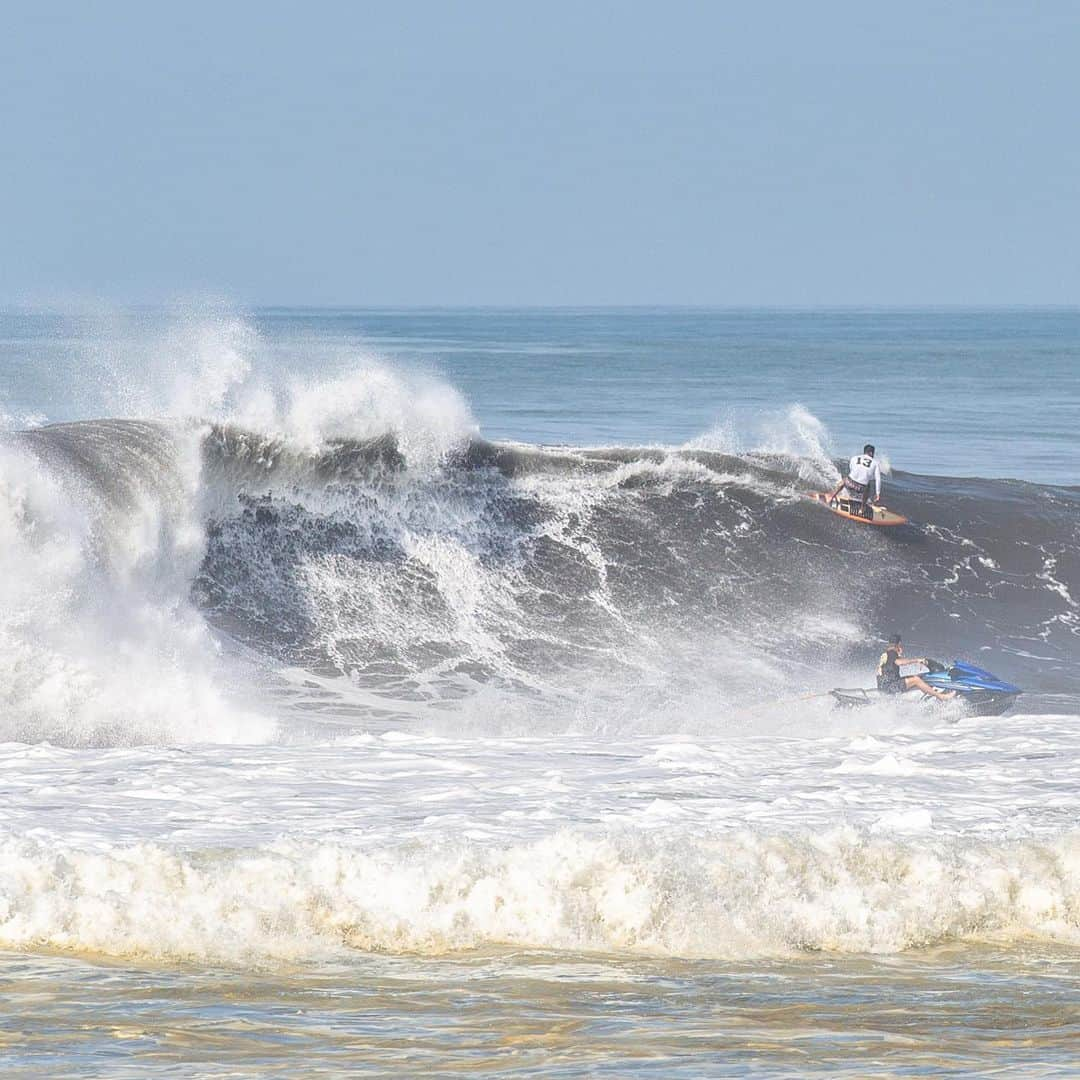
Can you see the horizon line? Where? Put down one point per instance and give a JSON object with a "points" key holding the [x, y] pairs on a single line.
{"points": [[76, 305]]}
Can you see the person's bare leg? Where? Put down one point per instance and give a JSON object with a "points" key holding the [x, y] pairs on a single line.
{"points": [[914, 682]]}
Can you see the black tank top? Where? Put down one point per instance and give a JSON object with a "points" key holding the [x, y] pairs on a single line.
{"points": [[890, 668]]}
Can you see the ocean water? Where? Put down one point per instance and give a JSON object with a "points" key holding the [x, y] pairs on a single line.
{"points": [[443, 691]]}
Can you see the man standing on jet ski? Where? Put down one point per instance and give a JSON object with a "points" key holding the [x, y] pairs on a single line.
{"points": [[890, 681], [862, 470]]}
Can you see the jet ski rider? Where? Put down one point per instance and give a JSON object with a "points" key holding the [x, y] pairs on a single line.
{"points": [[862, 469], [890, 681]]}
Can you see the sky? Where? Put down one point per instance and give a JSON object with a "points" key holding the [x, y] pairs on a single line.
{"points": [[469, 153]]}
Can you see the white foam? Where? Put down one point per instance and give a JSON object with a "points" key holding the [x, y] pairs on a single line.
{"points": [[794, 435], [735, 896], [734, 848], [98, 642], [904, 821]]}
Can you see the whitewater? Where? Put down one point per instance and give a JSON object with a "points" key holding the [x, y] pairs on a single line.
{"points": [[334, 723]]}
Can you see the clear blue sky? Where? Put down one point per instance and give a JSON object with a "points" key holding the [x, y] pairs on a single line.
{"points": [[542, 153]]}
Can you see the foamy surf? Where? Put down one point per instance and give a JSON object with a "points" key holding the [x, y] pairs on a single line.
{"points": [[737, 897], [744, 847]]}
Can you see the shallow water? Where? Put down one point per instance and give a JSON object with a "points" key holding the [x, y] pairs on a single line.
{"points": [[949, 1012]]}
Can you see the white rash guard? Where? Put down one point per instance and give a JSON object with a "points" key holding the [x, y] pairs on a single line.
{"points": [[862, 469]]}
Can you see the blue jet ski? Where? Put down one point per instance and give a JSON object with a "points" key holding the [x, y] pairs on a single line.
{"points": [[978, 692]]}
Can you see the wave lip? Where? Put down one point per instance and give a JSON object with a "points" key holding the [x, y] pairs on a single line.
{"points": [[741, 895]]}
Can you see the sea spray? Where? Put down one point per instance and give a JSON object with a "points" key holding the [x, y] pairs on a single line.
{"points": [[99, 643]]}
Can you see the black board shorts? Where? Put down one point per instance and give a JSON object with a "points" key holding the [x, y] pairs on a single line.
{"points": [[894, 685]]}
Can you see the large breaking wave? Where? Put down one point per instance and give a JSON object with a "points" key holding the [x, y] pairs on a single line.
{"points": [[419, 567]]}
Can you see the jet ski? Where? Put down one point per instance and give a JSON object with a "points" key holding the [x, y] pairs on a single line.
{"points": [[978, 692]]}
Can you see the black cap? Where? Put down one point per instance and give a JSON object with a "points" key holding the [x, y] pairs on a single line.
{"points": [[868, 449], [894, 639]]}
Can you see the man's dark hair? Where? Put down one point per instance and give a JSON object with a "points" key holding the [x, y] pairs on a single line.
{"points": [[868, 449], [894, 639]]}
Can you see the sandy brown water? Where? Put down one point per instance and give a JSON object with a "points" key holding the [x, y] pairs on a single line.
{"points": [[946, 1012]]}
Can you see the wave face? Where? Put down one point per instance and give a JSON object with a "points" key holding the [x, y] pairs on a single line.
{"points": [[533, 567], [650, 585]]}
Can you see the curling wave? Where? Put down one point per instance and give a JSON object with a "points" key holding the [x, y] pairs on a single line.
{"points": [[525, 565], [646, 577]]}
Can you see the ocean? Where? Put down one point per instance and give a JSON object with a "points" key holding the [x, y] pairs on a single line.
{"points": [[442, 691]]}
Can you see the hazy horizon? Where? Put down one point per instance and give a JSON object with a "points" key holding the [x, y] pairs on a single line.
{"points": [[77, 306]]}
